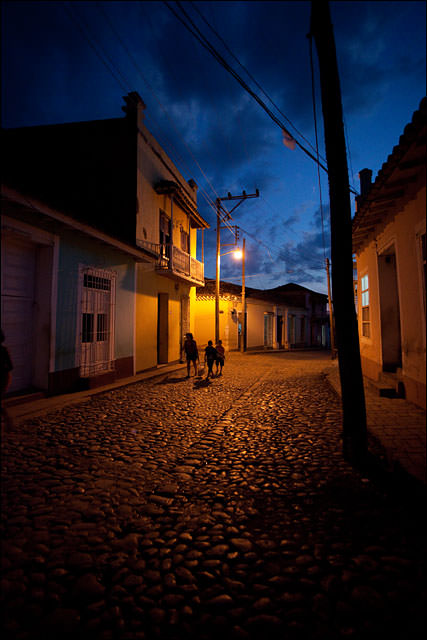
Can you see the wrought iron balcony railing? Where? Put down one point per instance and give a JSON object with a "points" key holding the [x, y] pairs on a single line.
{"points": [[175, 262]]}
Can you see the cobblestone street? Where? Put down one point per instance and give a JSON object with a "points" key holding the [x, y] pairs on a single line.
{"points": [[179, 508]]}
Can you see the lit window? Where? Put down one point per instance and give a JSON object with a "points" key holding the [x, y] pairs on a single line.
{"points": [[366, 323]]}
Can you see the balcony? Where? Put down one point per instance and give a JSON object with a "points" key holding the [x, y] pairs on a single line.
{"points": [[174, 263]]}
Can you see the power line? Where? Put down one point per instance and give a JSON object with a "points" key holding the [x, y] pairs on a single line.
{"points": [[313, 95], [78, 20], [138, 69], [193, 4], [207, 45]]}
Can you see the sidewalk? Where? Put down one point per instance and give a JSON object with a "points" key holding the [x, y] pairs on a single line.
{"points": [[23, 410], [398, 425]]}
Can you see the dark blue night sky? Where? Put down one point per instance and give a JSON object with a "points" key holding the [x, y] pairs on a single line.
{"points": [[73, 61]]}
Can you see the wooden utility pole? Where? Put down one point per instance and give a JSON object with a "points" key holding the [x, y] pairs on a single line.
{"points": [[347, 338], [218, 258], [243, 341], [331, 312], [227, 216]]}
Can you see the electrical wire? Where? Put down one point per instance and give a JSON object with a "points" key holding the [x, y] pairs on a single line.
{"points": [[138, 69], [78, 20], [103, 57], [206, 44], [193, 4], [313, 95]]}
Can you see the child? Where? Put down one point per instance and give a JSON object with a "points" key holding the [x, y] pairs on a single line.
{"points": [[210, 357], [220, 357]]}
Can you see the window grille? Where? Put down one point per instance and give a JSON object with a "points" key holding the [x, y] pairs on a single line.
{"points": [[96, 321]]}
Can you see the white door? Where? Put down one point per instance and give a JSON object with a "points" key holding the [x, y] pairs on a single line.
{"points": [[17, 302], [96, 321]]}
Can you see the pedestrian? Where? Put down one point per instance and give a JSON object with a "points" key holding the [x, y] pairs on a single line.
{"points": [[220, 357], [191, 353], [210, 357], [6, 377]]}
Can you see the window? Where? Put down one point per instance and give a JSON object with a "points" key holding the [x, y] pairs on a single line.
{"points": [[165, 234], [185, 241], [366, 324], [101, 327], [95, 282]]}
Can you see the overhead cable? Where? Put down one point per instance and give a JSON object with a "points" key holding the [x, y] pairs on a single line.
{"points": [[193, 4], [207, 45], [138, 69]]}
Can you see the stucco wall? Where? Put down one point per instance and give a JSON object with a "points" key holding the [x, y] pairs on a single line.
{"points": [[402, 233], [150, 170], [149, 285], [75, 250]]}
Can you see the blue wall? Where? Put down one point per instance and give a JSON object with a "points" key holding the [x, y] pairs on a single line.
{"points": [[75, 250]]}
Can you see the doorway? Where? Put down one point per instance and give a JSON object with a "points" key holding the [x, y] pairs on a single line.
{"points": [[97, 290], [280, 331], [162, 328], [185, 319], [389, 310]]}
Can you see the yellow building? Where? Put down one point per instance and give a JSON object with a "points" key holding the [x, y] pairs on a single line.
{"points": [[275, 319], [113, 175], [389, 240], [167, 221]]}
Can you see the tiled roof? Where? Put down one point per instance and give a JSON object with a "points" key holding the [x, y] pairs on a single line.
{"points": [[289, 294], [398, 180]]}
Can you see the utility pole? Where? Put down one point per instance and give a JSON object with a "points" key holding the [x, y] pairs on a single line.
{"points": [[243, 341], [218, 259], [226, 216], [331, 313], [347, 337]]}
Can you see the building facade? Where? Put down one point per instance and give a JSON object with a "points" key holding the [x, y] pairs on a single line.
{"points": [[389, 241], [274, 320], [63, 291], [114, 176]]}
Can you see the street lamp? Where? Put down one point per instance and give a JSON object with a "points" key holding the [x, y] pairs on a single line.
{"points": [[239, 254]]}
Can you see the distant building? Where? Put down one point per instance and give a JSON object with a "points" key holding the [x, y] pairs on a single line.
{"points": [[114, 176], [283, 318], [389, 240]]}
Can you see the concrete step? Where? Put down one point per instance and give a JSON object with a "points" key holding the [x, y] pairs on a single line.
{"points": [[388, 386]]}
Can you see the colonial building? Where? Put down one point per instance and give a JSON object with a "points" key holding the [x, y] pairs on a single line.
{"points": [[64, 286], [389, 241], [275, 319], [114, 176]]}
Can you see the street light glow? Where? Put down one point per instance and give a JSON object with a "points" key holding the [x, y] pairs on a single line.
{"points": [[238, 254]]}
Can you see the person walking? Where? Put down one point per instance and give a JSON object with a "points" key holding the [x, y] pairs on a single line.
{"points": [[210, 357], [191, 353], [220, 357]]}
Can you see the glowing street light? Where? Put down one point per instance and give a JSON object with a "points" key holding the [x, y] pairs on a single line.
{"points": [[238, 254]]}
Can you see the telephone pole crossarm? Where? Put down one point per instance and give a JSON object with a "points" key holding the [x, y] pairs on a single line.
{"points": [[220, 209]]}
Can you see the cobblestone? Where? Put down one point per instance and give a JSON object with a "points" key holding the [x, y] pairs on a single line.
{"points": [[175, 508]]}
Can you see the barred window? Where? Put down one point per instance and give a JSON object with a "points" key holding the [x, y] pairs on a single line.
{"points": [[94, 282], [101, 327]]}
